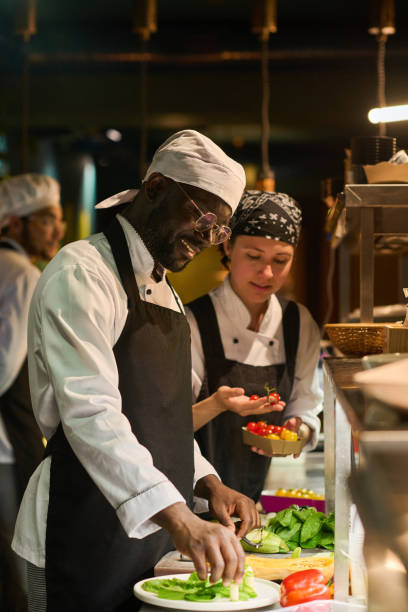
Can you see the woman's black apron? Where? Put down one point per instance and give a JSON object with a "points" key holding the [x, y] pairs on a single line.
{"points": [[91, 563], [19, 421], [220, 440]]}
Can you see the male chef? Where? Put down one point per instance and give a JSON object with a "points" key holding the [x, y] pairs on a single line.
{"points": [[30, 217], [30, 228], [110, 370]]}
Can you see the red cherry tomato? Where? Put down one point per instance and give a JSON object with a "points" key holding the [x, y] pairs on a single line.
{"points": [[274, 398], [262, 431], [251, 426], [261, 424], [270, 429], [254, 397], [278, 429]]}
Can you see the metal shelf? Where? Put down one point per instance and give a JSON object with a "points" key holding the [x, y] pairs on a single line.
{"points": [[371, 210]]}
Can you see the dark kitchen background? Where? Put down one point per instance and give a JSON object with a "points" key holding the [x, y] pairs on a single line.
{"points": [[88, 93]]}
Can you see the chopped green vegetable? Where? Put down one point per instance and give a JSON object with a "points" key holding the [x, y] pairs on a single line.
{"points": [[249, 577], [310, 528], [194, 589], [270, 542], [304, 527], [296, 552]]}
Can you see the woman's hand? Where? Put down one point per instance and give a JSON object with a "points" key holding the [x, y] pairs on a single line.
{"points": [[235, 400]]}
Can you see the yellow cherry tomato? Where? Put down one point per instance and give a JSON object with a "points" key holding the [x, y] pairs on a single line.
{"points": [[273, 437], [290, 436]]}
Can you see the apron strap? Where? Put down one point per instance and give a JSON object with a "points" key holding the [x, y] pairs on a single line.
{"points": [[7, 245], [204, 312], [291, 324], [206, 318], [117, 240]]}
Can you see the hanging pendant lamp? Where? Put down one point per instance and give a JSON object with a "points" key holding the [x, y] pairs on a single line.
{"points": [[144, 24]]}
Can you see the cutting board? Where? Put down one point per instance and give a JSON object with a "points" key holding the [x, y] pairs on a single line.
{"points": [[171, 563], [174, 563]]}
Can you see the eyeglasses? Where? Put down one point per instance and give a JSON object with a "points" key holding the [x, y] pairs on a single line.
{"points": [[207, 223], [49, 222]]}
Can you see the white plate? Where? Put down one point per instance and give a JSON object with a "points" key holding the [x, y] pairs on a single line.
{"points": [[268, 594]]}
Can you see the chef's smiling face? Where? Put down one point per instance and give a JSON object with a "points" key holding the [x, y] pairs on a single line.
{"points": [[170, 233], [258, 267]]}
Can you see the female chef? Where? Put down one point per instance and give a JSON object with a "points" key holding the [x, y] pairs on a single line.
{"points": [[244, 335]]}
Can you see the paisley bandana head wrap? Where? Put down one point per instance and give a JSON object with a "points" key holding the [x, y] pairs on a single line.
{"points": [[272, 215]]}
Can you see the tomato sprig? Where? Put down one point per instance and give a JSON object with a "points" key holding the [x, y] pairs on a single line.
{"points": [[273, 395]]}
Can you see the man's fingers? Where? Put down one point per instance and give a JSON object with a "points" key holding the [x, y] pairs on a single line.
{"points": [[240, 564], [198, 557]]}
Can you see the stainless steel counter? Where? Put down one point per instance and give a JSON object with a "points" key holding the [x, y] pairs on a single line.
{"points": [[366, 461]]}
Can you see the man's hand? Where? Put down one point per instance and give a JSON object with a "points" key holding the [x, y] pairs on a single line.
{"points": [[235, 400], [225, 503], [204, 542]]}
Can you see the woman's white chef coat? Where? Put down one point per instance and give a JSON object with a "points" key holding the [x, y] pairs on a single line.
{"points": [[18, 279], [74, 378], [262, 348]]}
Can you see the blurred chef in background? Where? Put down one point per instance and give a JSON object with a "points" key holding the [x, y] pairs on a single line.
{"points": [[31, 227], [244, 335]]}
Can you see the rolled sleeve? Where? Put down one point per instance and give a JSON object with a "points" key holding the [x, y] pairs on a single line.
{"points": [[144, 506], [202, 468]]}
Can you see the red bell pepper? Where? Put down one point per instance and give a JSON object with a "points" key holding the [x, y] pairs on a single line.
{"points": [[303, 586]]}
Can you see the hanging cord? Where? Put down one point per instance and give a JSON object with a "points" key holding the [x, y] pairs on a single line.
{"points": [[25, 106], [381, 40], [265, 127], [143, 111]]}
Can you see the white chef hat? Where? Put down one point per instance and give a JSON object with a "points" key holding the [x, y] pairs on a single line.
{"points": [[23, 194], [192, 158]]}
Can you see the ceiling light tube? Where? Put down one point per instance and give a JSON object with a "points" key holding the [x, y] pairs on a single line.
{"points": [[388, 113]]}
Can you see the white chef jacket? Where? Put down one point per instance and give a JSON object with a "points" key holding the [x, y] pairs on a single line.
{"points": [[262, 348], [18, 278], [78, 313]]}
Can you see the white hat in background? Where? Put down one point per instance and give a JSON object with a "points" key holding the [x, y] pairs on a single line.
{"points": [[191, 158], [24, 194]]}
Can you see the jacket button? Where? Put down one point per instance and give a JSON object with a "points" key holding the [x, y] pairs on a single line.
{"points": [[235, 340], [148, 291], [271, 342]]}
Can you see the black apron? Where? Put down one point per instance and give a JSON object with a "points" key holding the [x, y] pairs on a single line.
{"points": [[19, 421], [91, 563], [220, 440]]}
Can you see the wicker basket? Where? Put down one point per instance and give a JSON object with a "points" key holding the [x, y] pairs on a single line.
{"points": [[357, 339]]}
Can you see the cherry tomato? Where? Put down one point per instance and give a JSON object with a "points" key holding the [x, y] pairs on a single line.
{"points": [[251, 426], [278, 429], [254, 397], [274, 398], [270, 429], [262, 431], [261, 424], [289, 435]]}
